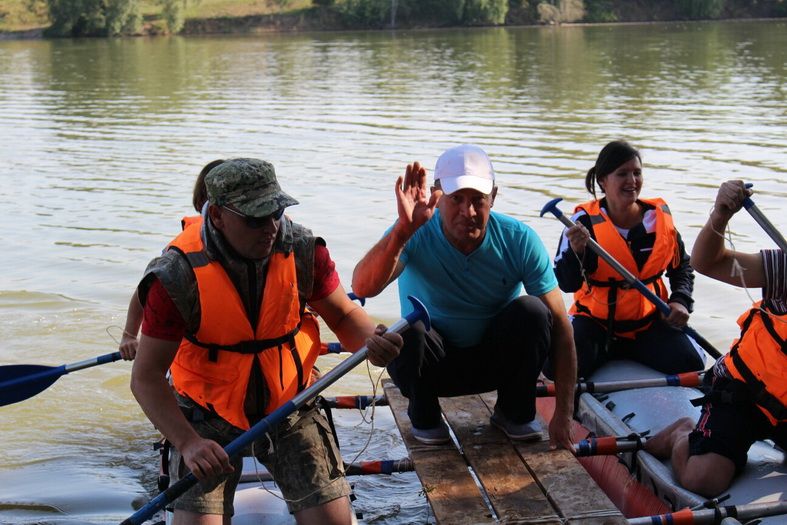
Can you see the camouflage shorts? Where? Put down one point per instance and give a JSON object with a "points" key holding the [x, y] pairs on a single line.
{"points": [[303, 459]]}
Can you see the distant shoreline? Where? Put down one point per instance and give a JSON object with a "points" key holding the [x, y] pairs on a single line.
{"points": [[277, 23], [28, 34]]}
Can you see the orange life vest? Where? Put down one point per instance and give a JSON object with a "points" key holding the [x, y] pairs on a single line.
{"points": [[759, 359], [606, 296], [213, 365], [188, 220]]}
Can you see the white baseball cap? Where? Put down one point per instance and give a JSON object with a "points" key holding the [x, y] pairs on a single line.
{"points": [[465, 166]]}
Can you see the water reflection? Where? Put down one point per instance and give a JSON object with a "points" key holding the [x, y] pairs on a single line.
{"points": [[102, 139]]}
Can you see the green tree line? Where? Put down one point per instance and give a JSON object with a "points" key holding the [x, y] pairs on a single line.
{"points": [[118, 17], [104, 17]]}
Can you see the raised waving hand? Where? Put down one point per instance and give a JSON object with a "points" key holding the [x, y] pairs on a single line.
{"points": [[413, 202]]}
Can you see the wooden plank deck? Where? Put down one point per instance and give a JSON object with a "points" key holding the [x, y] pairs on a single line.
{"points": [[489, 479]]}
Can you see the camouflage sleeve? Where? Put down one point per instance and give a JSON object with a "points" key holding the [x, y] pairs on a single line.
{"points": [[303, 245], [176, 276]]}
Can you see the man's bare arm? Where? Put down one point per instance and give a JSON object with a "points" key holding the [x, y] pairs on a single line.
{"points": [[710, 256], [564, 357], [205, 458], [354, 328], [382, 264]]}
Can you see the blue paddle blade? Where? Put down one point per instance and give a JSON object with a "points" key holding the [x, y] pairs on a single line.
{"points": [[20, 382]]}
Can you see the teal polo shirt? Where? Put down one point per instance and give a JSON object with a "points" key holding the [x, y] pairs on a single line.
{"points": [[464, 292]]}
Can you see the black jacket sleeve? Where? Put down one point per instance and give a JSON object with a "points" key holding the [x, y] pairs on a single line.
{"points": [[681, 278]]}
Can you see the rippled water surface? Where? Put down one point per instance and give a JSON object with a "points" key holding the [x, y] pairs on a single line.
{"points": [[100, 141]]}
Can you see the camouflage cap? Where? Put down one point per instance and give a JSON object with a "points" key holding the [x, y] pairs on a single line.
{"points": [[248, 185]]}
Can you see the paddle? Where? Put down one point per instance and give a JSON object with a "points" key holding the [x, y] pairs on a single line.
{"points": [[362, 468], [20, 382], [354, 297], [764, 223], [608, 445], [663, 307], [359, 402], [744, 513], [386, 466], [686, 379], [267, 424]]}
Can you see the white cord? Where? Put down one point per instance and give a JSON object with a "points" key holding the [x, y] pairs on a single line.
{"points": [[370, 421], [738, 270]]}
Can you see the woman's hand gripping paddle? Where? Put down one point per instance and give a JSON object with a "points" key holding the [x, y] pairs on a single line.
{"points": [[663, 307]]}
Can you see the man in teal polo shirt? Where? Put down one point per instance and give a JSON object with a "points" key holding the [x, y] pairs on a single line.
{"points": [[468, 265]]}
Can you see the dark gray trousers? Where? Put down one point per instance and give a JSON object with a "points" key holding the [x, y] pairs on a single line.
{"points": [[508, 359]]}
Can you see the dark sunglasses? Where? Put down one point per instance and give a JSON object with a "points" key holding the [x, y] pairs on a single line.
{"points": [[257, 222]]}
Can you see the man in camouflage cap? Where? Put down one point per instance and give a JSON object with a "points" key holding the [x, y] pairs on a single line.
{"points": [[225, 313], [247, 185]]}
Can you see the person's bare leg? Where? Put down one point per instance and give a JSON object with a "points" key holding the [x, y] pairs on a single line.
{"points": [[707, 474], [335, 512], [183, 517], [662, 444]]}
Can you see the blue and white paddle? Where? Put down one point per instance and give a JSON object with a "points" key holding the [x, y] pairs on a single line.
{"points": [[20, 382]]}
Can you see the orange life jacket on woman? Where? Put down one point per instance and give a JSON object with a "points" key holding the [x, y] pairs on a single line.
{"points": [[606, 296], [213, 365], [759, 359]]}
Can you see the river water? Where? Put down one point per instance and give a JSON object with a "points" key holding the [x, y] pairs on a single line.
{"points": [[100, 142]]}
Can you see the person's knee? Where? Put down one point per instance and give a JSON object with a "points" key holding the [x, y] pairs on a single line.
{"points": [[708, 474], [334, 512], [705, 484], [526, 319], [689, 359], [684, 425], [531, 308], [411, 355], [414, 336]]}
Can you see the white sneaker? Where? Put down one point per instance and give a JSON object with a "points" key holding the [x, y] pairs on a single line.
{"points": [[530, 431], [432, 436]]}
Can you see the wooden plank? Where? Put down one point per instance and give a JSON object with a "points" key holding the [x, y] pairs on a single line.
{"points": [[450, 489], [524, 482], [566, 483], [514, 494]]}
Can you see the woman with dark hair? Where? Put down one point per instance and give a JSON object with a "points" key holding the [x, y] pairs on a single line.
{"points": [[612, 320], [128, 341]]}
